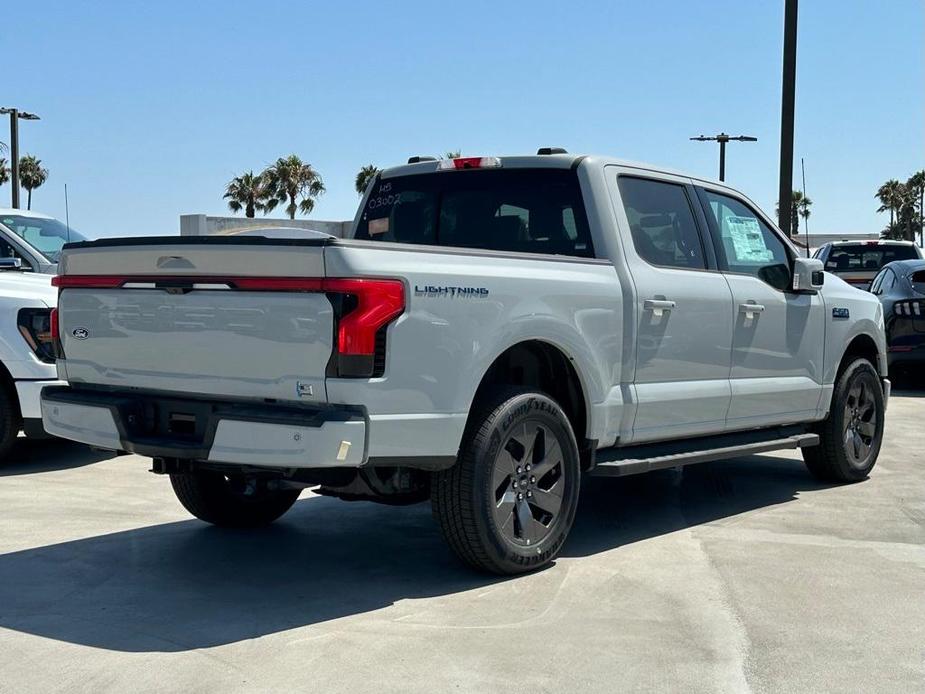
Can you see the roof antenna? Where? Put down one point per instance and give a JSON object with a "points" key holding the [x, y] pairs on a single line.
{"points": [[67, 216]]}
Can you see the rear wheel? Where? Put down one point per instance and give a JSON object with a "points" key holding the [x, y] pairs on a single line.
{"points": [[508, 503], [850, 438], [233, 501], [10, 420]]}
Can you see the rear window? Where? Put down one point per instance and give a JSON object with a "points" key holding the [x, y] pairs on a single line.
{"points": [[866, 257], [918, 281], [519, 210]]}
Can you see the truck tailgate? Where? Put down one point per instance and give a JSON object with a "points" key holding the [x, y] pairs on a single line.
{"points": [[217, 318]]}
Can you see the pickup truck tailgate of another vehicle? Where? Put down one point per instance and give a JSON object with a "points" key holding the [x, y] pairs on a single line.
{"points": [[199, 337]]}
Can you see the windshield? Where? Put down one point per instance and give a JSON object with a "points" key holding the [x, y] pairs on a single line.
{"points": [[866, 257], [45, 235], [520, 210]]}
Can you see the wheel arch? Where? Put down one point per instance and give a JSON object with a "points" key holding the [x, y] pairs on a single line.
{"points": [[549, 368], [865, 346]]}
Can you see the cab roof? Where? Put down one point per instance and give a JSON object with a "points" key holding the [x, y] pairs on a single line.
{"points": [[563, 160], [23, 213], [870, 242]]}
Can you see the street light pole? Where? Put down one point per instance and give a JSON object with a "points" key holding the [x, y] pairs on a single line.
{"points": [[15, 115], [14, 156], [723, 138], [788, 98]]}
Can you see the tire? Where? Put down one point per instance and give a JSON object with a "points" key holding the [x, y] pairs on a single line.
{"points": [[850, 438], [231, 501], [476, 502], [10, 420]]}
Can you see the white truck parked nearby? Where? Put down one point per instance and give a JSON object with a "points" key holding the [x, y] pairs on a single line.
{"points": [[27, 360], [34, 238], [494, 328]]}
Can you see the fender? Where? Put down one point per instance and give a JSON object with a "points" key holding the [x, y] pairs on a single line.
{"points": [[864, 318], [592, 369]]}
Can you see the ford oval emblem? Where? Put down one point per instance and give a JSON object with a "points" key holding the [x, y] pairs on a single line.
{"points": [[80, 333]]}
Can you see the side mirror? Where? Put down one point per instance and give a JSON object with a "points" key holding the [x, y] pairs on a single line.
{"points": [[808, 275], [10, 264]]}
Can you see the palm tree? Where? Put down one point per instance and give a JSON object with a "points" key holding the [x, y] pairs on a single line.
{"points": [[452, 154], [248, 192], [289, 179], [364, 176], [890, 195], [4, 171], [799, 207], [32, 175], [916, 187]]}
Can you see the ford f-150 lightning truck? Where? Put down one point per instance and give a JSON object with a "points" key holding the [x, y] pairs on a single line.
{"points": [[492, 329]]}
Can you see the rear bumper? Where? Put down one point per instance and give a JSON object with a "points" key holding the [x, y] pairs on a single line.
{"points": [[220, 432], [28, 393], [907, 353]]}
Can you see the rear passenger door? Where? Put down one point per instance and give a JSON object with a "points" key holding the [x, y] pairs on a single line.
{"points": [[683, 311], [778, 336]]}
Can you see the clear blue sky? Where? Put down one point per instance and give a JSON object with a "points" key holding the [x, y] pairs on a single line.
{"points": [[148, 110]]}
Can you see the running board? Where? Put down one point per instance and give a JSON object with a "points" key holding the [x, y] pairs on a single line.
{"points": [[617, 462]]}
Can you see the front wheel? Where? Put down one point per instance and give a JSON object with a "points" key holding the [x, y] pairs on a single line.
{"points": [[850, 438], [508, 503], [231, 500], [10, 419]]}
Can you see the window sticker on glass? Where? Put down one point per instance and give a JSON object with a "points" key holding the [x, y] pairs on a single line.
{"points": [[747, 240], [378, 226]]}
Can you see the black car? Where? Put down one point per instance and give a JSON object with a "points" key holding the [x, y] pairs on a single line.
{"points": [[900, 286]]}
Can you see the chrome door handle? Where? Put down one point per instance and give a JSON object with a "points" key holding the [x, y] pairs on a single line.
{"points": [[658, 306], [750, 309]]}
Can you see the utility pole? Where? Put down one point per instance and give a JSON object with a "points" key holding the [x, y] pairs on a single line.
{"points": [[788, 98], [15, 115], [723, 138]]}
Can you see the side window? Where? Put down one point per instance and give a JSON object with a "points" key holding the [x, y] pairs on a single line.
{"points": [[8, 251], [662, 223], [745, 244], [568, 223], [878, 280], [889, 280]]}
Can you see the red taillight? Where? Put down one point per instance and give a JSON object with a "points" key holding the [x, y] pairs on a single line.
{"points": [[378, 303], [55, 332], [88, 281]]}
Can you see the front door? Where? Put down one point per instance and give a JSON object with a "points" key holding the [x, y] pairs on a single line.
{"points": [[778, 338], [683, 310]]}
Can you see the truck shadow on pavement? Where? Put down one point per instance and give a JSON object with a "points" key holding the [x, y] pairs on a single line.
{"points": [[185, 585], [47, 455]]}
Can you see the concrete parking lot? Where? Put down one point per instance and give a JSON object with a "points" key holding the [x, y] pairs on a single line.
{"points": [[737, 576]]}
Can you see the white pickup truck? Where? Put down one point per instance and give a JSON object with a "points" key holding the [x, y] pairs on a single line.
{"points": [[494, 328], [34, 238], [27, 358]]}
